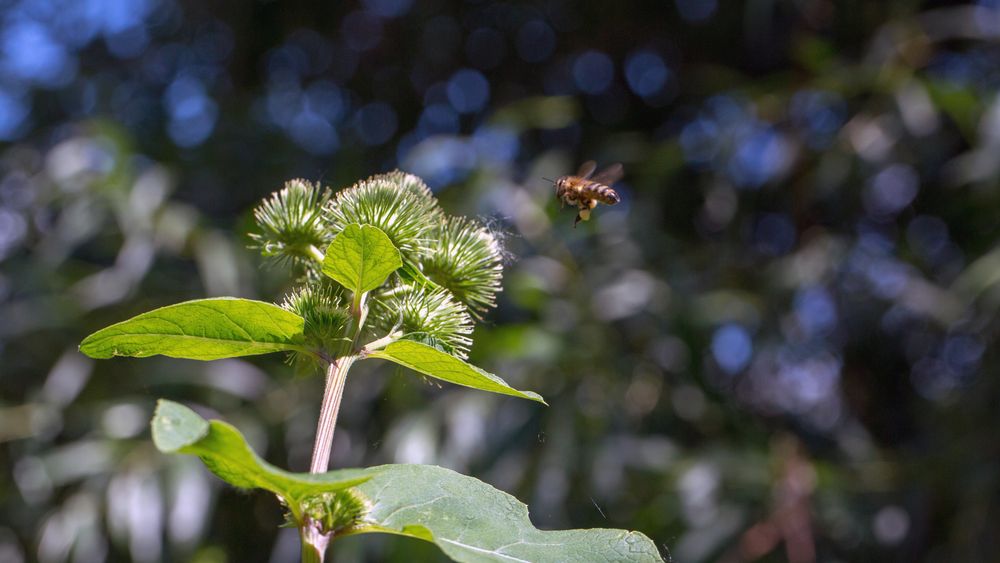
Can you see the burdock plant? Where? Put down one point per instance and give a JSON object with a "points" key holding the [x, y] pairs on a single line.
{"points": [[382, 273]]}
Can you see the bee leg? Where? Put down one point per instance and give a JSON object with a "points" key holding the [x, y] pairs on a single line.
{"points": [[577, 220]]}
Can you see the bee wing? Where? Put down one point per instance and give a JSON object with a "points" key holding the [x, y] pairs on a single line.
{"points": [[586, 169], [610, 175]]}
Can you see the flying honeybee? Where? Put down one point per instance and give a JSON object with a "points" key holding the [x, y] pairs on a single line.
{"points": [[585, 191]]}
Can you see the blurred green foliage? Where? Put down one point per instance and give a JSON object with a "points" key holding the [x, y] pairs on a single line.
{"points": [[779, 346]]}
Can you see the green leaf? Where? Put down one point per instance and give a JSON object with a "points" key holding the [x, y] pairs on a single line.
{"points": [[441, 365], [178, 429], [469, 520], [204, 329], [361, 257], [473, 522]]}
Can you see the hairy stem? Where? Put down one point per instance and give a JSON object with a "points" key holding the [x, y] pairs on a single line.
{"points": [[314, 540], [336, 376]]}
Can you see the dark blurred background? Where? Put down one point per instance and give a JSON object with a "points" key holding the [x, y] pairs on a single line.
{"points": [[778, 347]]}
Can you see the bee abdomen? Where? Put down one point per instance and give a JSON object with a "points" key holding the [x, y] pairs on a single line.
{"points": [[603, 193]]}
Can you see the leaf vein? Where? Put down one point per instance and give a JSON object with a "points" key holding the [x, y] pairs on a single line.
{"points": [[408, 507], [481, 550]]}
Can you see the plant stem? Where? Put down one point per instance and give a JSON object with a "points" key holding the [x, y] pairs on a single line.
{"points": [[314, 540], [316, 253], [359, 309], [380, 343], [336, 376]]}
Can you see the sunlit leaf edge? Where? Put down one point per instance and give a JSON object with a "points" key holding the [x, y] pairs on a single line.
{"points": [[282, 331], [471, 521], [438, 364], [221, 447]]}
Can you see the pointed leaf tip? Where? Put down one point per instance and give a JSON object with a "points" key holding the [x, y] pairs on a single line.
{"points": [[441, 365]]}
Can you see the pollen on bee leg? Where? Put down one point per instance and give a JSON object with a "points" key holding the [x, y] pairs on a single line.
{"points": [[585, 214]]}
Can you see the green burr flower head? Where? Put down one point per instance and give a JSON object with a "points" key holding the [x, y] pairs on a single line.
{"points": [[399, 204], [431, 316], [334, 511], [467, 261], [325, 309], [291, 222]]}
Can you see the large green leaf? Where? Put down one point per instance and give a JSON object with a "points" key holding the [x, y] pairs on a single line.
{"points": [[441, 365], [467, 519], [361, 257], [204, 329], [473, 522], [178, 429]]}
